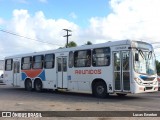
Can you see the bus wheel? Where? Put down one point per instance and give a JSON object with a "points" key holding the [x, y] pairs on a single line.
{"points": [[121, 94], [28, 85], [38, 85], [100, 89]]}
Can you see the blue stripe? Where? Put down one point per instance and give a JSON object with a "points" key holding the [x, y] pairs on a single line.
{"points": [[24, 76], [42, 75]]}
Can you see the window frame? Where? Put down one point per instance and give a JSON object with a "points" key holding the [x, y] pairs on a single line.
{"points": [[53, 61], [41, 62], [30, 62], [11, 65], [87, 59], [71, 59], [107, 56]]}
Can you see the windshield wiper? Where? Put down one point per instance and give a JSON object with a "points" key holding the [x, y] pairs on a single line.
{"points": [[150, 55], [141, 53]]}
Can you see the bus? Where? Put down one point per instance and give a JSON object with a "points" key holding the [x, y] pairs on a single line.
{"points": [[1, 70], [119, 67]]}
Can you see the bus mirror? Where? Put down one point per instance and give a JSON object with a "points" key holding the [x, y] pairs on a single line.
{"points": [[136, 57]]}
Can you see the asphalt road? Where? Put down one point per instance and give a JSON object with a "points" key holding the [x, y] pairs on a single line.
{"points": [[17, 99]]}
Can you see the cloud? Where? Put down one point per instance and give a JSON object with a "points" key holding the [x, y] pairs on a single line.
{"points": [[73, 15], [37, 27], [1, 21], [129, 19]]}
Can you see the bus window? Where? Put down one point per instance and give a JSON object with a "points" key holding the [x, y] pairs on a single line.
{"points": [[26, 63], [8, 64], [59, 60], [38, 62], [71, 59], [64, 64], [117, 62], [101, 57], [82, 58], [126, 60], [49, 61]]}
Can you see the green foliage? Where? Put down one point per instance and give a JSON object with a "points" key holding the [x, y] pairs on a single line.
{"points": [[72, 44], [89, 43], [158, 66]]}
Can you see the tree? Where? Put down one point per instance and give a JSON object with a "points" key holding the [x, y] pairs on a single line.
{"points": [[88, 43], [72, 44], [158, 66]]}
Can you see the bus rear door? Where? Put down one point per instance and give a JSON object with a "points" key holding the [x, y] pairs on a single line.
{"points": [[62, 72], [16, 73]]}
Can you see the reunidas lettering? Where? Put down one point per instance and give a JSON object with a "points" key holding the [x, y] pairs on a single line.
{"points": [[98, 71]]}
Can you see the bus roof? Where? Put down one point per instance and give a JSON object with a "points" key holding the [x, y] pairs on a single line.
{"points": [[106, 44]]}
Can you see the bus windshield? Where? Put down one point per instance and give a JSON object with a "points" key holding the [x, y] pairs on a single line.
{"points": [[144, 62]]}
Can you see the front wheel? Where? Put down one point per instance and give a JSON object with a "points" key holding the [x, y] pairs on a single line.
{"points": [[100, 90]]}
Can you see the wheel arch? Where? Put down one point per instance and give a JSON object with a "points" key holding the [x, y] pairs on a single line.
{"points": [[27, 80], [28, 86], [37, 79], [96, 81]]}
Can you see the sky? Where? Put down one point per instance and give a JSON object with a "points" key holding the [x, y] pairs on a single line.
{"points": [[97, 21]]}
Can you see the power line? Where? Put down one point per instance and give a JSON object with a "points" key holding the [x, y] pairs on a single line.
{"points": [[8, 32]]}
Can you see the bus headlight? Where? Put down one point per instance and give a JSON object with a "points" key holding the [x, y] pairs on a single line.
{"points": [[138, 81]]}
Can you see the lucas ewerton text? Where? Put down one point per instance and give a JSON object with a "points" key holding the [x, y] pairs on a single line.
{"points": [[144, 114]]}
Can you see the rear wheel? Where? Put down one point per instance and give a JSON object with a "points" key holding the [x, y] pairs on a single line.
{"points": [[28, 85], [121, 94], [38, 85], [100, 89]]}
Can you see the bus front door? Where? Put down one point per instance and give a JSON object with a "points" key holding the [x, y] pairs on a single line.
{"points": [[16, 73], [61, 72], [121, 71]]}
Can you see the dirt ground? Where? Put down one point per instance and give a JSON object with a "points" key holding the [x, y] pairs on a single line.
{"points": [[16, 99]]}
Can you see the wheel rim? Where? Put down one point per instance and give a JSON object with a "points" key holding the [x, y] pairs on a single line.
{"points": [[100, 90], [38, 86], [29, 85]]}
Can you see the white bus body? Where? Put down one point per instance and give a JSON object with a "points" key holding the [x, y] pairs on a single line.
{"points": [[119, 67]]}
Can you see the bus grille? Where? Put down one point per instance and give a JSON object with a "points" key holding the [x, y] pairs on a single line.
{"points": [[149, 88]]}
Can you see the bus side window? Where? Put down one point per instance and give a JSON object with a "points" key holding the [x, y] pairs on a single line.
{"points": [[49, 61], [26, 63], [38, 62], [71, 59], [101, 57], [88, 61], [82, 58], [8, 64]]}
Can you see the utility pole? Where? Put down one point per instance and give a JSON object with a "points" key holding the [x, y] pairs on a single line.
{"points": [[67, 35]]}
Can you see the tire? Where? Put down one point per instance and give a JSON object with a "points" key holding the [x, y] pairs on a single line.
{"points": [[121, 94], [28, 85], [100, 89], [38, 85]]}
